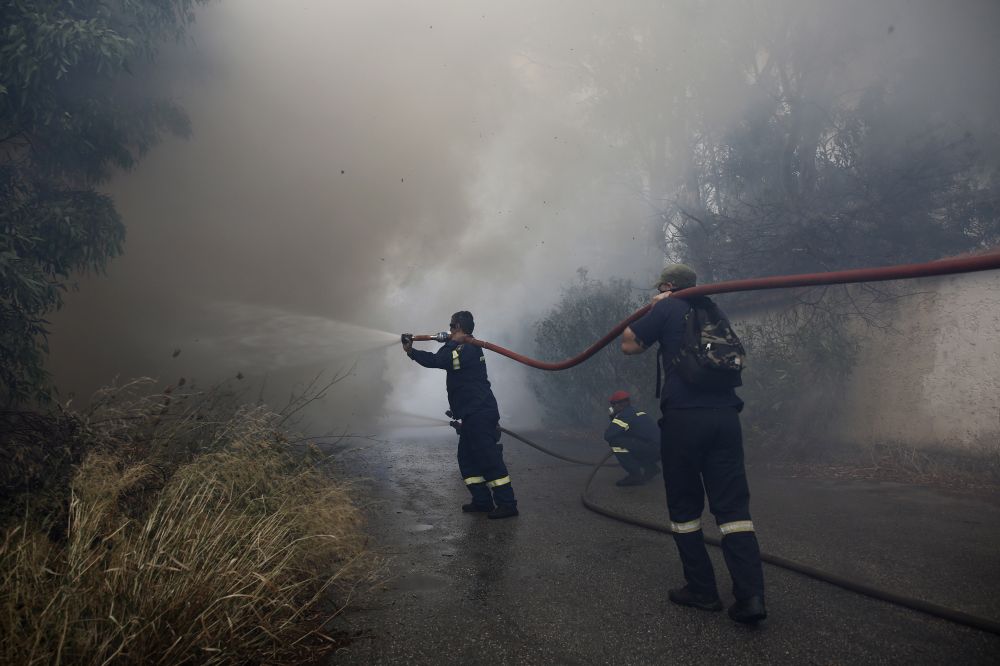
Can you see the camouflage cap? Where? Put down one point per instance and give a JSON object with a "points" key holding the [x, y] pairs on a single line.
{"points": [[679, 275]]}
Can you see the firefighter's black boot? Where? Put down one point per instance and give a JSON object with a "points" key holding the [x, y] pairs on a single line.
{"points": [[748, 611], [685, 596], [472, 507], [504, 511], [630, 480]]}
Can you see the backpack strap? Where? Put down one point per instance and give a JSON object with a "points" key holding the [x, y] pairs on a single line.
{"points": [[658, 372]]}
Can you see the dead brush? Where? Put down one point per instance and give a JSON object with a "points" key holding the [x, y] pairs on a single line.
{"points": [[241, 554]]}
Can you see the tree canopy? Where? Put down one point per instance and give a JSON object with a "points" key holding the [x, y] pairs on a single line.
{"points": [[769, 138], [73, 108], [774, 137]]}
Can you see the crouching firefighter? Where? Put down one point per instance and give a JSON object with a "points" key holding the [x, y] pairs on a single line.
{"points": [[634, 439], [480, 456]]}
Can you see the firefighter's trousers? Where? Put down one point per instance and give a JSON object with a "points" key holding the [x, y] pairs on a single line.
{"points": [[480, 460], [702, 452], [637, 456]]}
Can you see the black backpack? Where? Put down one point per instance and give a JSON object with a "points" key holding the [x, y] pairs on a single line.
{"points": [[711, 355]]}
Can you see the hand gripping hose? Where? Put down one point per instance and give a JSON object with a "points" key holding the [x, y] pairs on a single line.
{"points": [[936, 610], [966, 264]]}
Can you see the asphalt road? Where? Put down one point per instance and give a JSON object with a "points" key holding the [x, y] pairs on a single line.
{"points": [[562, 585]]}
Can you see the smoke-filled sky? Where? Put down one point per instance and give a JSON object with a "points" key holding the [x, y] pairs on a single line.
{"points": [[382, 164]]}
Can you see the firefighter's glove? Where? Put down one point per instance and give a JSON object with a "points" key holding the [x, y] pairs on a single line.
{"points": [[449, 414], [457, 425]]}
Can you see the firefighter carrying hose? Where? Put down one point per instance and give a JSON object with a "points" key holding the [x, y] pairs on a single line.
{"points": [[480, 455], [634, 439], [702, 445]]}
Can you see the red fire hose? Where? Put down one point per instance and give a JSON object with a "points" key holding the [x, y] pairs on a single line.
{"points": [[967, 264]]}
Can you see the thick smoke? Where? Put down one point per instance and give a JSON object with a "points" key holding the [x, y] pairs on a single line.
{"points": [[383, 164]]}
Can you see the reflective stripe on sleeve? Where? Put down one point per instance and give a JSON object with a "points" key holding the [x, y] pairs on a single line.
{"points": [[640, 413], [455, 365], [684, 528], [503, 481], [469, 480], [736, 526], [621, 424], [618, 449]]}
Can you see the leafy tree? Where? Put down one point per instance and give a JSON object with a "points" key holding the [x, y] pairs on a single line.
{"points": [[587, 310], [73, 108], [769, 144], [771, 140], [816, 176], [803, 184]]}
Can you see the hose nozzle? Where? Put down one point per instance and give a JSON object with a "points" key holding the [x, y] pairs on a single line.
{"points": [[437, 337]]}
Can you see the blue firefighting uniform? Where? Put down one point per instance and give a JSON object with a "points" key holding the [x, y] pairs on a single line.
{"points": [[702, 451], [635, 440], [480, 454]]}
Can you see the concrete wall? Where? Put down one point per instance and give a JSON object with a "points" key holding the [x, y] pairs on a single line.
{"points": [[935, 382]]}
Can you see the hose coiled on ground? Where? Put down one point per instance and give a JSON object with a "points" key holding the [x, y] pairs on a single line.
{"points": [[927, 607]]}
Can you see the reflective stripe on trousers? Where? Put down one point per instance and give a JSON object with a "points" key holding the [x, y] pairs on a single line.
{"points": [[684, 528], [736, 526], [502, 481]]}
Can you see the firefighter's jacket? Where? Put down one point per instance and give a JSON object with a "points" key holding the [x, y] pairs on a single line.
{"points": [[631, 430], [468, 386]]}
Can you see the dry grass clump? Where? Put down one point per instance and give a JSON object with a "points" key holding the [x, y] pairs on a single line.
{"points": [[234, 552]]}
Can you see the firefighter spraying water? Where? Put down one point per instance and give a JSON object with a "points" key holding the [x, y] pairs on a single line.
{"points": [[476, 416]]}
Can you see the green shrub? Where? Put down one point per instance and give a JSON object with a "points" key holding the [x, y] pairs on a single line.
{"points": [[587, 310]]}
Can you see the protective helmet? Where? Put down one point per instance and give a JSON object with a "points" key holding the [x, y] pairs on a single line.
{"points": [[679, 275], [619, 396]]}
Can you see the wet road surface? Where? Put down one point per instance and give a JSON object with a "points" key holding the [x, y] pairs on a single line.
{"points": [[562, 585]]}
